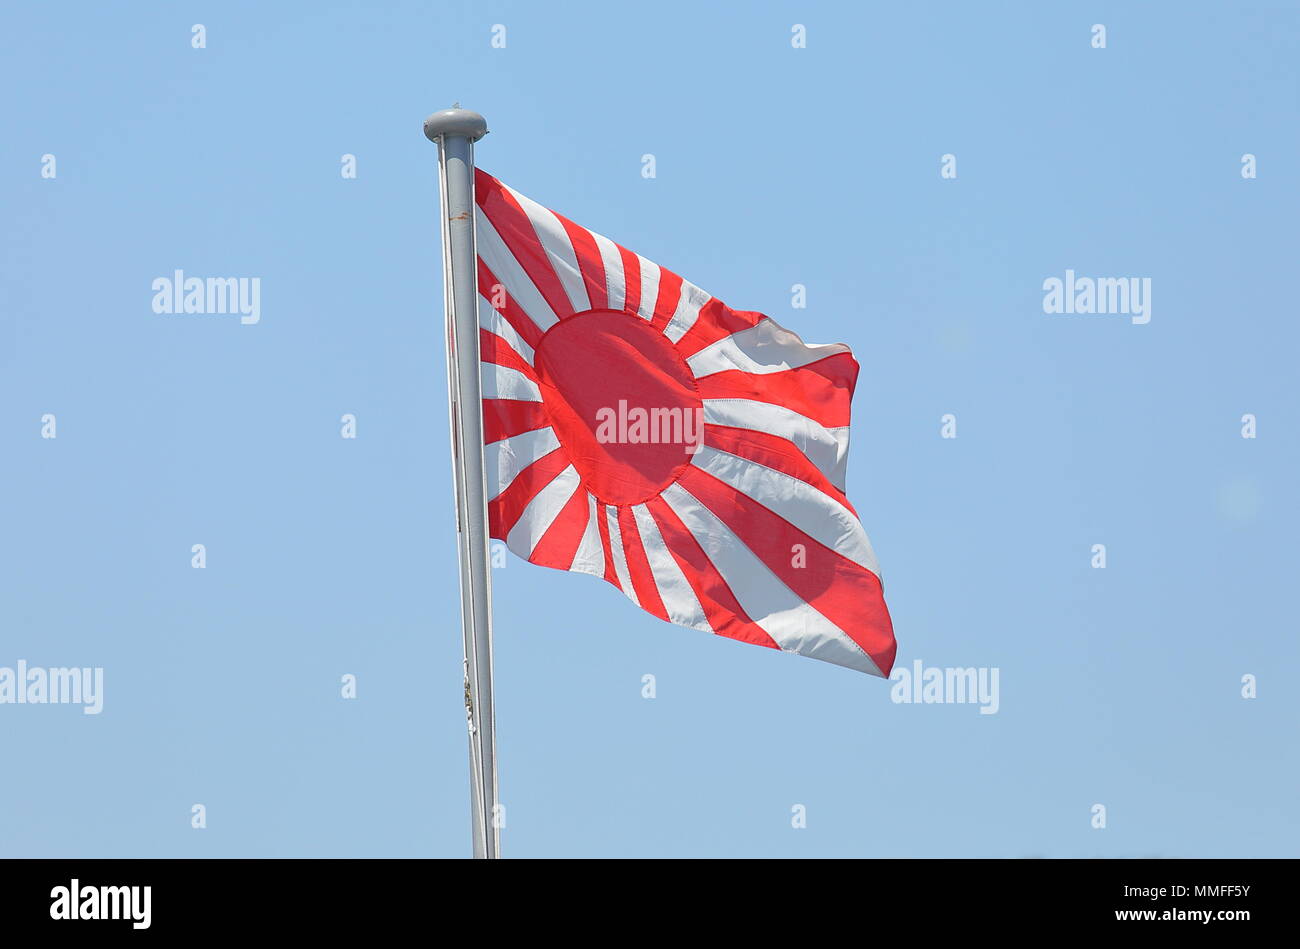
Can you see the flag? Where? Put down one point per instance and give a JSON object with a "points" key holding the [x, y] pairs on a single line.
{"points": [[640, 430]]}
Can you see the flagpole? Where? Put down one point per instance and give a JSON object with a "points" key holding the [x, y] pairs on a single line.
{"points": [[455, 131]]}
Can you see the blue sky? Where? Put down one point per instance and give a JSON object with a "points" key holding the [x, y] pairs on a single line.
{"points": [[775, 166]]}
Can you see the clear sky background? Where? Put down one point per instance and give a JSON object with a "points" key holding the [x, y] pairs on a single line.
{"points": [[775, 166]]}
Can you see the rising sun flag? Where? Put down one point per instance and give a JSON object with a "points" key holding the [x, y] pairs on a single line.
{"points": [[640, 430]]}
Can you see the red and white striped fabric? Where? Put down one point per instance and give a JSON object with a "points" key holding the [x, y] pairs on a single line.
{"points": [[693, 455]]}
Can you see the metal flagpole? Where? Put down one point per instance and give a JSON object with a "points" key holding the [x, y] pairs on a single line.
{"points": [[455, 131]]}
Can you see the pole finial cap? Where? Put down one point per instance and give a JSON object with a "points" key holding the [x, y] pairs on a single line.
{"points": [[455, 122]]}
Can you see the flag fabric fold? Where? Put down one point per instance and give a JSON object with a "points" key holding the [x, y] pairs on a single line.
{"points": [[640, 430]]}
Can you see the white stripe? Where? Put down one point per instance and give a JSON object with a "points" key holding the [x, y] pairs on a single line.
{"points": [[617, 555], [503, 460], [678, 597], [541, 512], [502, 382], [494, 322], [814, 512], [763, 348], [559, 249], [590, 557], [645, 307], [614, 279], [827, 448], [793, 624], [511, 273], [687, 312]]}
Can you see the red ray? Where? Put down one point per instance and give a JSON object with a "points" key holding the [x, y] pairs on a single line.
{"points": [[631, 279], [559, 544], [638, 567], [774, 452], [589, 262], [515, 228], [504, 510], [820, 390], [721, 608], [670, 293], [492, 348], [716, 320], [846, 593], [506, 418], [492, 289]]}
